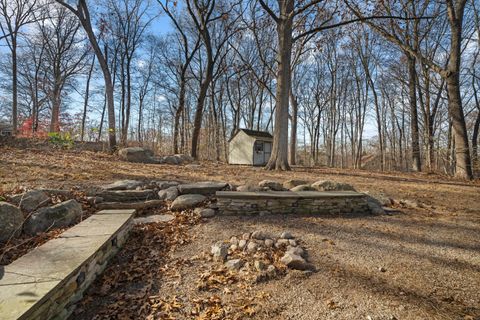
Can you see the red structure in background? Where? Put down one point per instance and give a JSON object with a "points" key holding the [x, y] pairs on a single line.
{"points": [[26, 129]]}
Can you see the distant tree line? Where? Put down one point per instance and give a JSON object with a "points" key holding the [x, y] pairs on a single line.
{"points": [[388, 85]]}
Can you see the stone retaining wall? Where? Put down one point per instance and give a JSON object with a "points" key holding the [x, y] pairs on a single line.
{"points": [[287, 202], [47, 282]]}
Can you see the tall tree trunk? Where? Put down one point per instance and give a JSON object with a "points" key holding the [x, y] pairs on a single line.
{"points": [[293, 133], [463, 166], [279, 157], [14, 86], [178, 113], [56, 101], [412, 92], [87, 96], [476, 128]]}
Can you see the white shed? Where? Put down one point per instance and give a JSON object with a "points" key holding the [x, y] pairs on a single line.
{"points": [[250, 147]]}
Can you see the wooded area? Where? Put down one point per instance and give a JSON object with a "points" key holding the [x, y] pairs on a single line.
{"points": [[390, 85]]}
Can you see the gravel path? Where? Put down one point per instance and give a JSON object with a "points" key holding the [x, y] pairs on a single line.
{"points": [[405, 266]]}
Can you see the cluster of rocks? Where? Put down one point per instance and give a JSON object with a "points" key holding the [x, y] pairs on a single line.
{"points": [[143, 155], [262, 253], [296, 185], [33, 212], [181, 195]]}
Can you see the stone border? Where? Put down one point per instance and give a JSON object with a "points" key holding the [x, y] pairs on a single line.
{"points": [[48, 281], [286, 202]]}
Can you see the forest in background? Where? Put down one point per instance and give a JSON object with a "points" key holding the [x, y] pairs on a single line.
{"points": [[390, 85]]}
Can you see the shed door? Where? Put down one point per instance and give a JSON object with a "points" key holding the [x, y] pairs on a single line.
{"points": [[267, 151], [258, 153]]}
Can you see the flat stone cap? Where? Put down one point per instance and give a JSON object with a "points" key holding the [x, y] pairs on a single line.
{"points": [[288, 194], [31, 279]]}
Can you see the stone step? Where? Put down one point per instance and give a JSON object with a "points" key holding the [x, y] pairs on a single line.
{"points": [[131, 205], [127, 195], [49, 280]]}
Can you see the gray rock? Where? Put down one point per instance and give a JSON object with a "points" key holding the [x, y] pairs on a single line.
{"points": [[327, 185], [184, 157], [259, 235], [282, 243], [296, 250], [205, 212], [252, 247], [59, 215], [249, 188], [271, 271], [374, 206], [168, 194], [234, 264], [154, 219], [31, 200], [286, 235], [171, 160], [220, 251], [303, 187], [11, 219], [242, 243], [165, 184], [289, 184], [94, 200], [269, 243], [259, 265], [234, 240], [294, 261], [292, 242], [123, 185], [187, 201], [272, 185], [207, 187], [246, 236], [136, 154]]}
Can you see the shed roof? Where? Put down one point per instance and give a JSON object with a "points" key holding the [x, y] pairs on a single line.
{"points": [[256, 134]]}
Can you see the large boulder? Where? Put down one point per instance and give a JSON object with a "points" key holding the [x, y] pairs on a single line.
{"points": [[272, 185], [60, 215], [136, 154], [187, 201], [31, 200], [328, 185], [207, 187], [123, 185], [11, 219], [171, 160]]}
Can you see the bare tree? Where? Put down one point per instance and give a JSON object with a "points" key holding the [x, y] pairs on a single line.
{"points": [[83, 14], [15, 15]]}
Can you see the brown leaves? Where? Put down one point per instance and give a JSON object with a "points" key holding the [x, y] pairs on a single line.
{"points": [[215, 279]]}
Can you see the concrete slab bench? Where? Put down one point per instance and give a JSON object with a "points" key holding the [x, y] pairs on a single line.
{"points": [[283, 202], [47, 282]]}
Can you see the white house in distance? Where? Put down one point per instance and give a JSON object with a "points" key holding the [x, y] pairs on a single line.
{"points": [[250, 147]]}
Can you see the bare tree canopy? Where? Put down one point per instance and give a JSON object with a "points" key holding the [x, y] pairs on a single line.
{"points": [[390, 85]]}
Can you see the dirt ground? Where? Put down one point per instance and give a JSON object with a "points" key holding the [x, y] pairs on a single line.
{"points": [[414, 264]]}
